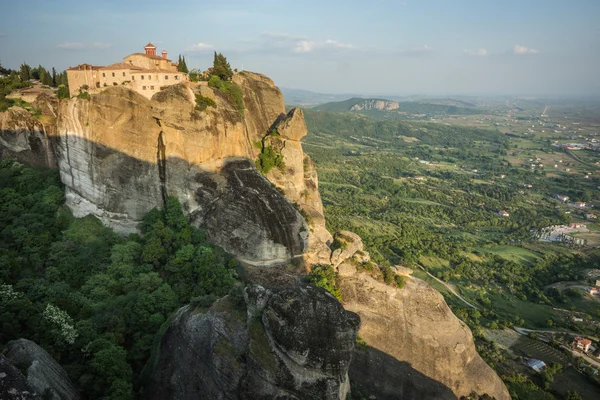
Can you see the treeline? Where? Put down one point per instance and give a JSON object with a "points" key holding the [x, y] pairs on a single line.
{"points": [[46, 77], [97, 301]]}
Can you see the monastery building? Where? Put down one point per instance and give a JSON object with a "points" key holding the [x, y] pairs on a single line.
{"points": [[144, 72]]}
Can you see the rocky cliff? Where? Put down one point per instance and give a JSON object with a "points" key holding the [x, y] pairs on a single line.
{"points": [[291, 343], [121, 154], [416, 347], [45, 378], [25, 138], [374, 104]]}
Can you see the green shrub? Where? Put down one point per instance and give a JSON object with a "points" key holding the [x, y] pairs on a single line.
{"points": [[84, 95], [269, 158], [324, 276], [202, 103], [63, 92], [232, 91], [338, 243]]}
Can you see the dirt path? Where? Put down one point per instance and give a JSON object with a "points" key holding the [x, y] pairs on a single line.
{"points": [[450, 289]]}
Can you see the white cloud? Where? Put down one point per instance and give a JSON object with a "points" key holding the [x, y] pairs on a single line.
{"points": [[339, 45], [478, 52], [283, 42], [200, 47], [83, 46], [520, 50], [304, 46]]}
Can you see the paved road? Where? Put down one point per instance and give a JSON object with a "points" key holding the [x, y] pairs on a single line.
{"points": [[450, 289]]}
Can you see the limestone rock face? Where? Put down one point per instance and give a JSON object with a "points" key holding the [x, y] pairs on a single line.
{"points": [[299, 181], [350, 244], [296, 343], [13, 385], [44, 374], [25, 138], [240, 210], [121, 154], [372, 104], [416, 345]]}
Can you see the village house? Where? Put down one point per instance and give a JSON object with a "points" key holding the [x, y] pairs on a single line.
{"points": [[582, 344], [590, 216], [145, 73], [597, 282], [503, 213], [561, 197], [579, 204], [576, 225], [594, 291], [419, 178]]}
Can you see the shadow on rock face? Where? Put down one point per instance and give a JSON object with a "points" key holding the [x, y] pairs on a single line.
{"points": [[239, 209], [373, 372]]}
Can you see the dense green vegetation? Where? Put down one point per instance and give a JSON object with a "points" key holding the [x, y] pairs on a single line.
{"points": [[429, 195], [94, 300]]}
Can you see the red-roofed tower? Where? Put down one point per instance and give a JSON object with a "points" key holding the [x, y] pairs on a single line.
{"points": [[150, 49]]}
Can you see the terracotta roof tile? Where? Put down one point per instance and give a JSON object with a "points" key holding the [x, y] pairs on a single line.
{"points": [[76, 68], [149, 56], [149, 45], [121, 65]]}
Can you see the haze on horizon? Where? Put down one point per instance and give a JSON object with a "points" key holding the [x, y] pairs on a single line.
{"points": [[435, 47]]}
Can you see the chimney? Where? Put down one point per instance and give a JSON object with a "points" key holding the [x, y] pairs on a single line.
{"points": [[164, 54]]}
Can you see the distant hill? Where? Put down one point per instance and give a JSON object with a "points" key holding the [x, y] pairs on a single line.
{"points": [[299, 97], [389, 109]]}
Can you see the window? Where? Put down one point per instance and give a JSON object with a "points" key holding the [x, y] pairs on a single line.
{"points": [[143, 87], [149, 76], [103, 75], [176, 77], [151, 87], [133, 77], [142, 76], [98, 84], [123, 73], [166, 77]]}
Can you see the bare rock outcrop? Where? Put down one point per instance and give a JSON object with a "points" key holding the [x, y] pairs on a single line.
{"points": [[43, 373], [294, 343], [299, 181], [412, 329], [348, 244], [121, 154], [25, 138], [13, 384]]}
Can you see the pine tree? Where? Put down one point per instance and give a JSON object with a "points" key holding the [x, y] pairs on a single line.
{"points": [[54, 77], [24, 73], [221, 67]]}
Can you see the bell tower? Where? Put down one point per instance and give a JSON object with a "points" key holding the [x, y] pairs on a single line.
{"points": [[150, 49]]}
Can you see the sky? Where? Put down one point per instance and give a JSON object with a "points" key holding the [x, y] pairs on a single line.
{"points": [[385, 47]]}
